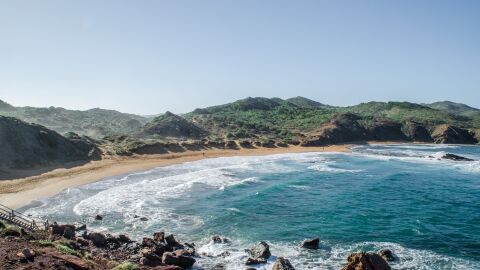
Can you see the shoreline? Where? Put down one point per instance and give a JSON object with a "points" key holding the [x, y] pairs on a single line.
{"points": [[18, 193]]}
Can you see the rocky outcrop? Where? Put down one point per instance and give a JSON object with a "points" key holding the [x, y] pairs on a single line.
{"points": [[341, 129], [282, 264], [178, 259], [455, 157], [417, 132], [366, 261], [259, 251], [386, 131], [452, 135], [29, 146], [311, 243]]}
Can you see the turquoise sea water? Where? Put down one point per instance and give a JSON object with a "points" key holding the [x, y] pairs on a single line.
{"points": [[400, 197]]}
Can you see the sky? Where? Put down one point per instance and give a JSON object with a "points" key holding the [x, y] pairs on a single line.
{"points": [[147, 57]]}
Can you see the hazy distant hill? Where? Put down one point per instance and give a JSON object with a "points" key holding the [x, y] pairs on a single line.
{"points": [[455, 108], [94, 122], [29, 146]]}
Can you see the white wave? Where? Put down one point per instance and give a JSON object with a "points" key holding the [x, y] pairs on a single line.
{"points": [[328, 257], [325, 168]]}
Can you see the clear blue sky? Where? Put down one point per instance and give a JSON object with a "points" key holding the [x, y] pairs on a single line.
{"points": [[150, 56]]}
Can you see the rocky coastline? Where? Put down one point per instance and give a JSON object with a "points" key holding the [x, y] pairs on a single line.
{"points": [[69, 246]]}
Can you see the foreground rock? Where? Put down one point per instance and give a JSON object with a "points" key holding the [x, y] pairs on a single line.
{"points": [[282, 264], [260, 251], [366, 261], [455, 157], [311, 243], [174, 258], [453, 135]]}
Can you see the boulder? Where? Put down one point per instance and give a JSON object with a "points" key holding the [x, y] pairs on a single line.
{"points": [[252, 261], [260, 250], [98, 217], [387, 255], [122, 238], [282, 264], [220, 240], [150, 258], [98, 239], [69, 232], [143, 219], [311, 243], [172, 242], [171, 258], [455, 157], [26, 254], [366, 261]]}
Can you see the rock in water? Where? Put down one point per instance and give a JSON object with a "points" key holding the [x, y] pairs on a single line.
{"points": [[261, 250], [387, 255], [455, 157], [98, 217], [366, 261], [282, 264], [311, 243]]}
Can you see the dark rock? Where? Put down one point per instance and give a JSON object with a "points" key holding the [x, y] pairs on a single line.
{"points": [[417, 132], [150, 258], [172, 243], [220, 240], [82, 227], [282, 264], [455, 157], [190, 245], [98, 239], [219, 266], [386, 131], [144, 219], [252, 261], [26, 254], [311, 243], [159, 237], [98, 217], [173, 259], [260, 250], [82, 242], [69, 232], [224, 254], [148, 242], [366, 261], [122, 238], [387, 255]]}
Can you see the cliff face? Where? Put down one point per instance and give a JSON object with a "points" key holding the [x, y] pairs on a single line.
{"points": [[342, 128], [346, 128], [28, 146], [453, 135]]}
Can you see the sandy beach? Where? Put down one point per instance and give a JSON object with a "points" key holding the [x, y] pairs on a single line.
{"points": [[19, 192]]}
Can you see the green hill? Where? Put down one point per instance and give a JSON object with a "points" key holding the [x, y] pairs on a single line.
{"points": [[305, 102], [172, 125], [455, 108]]}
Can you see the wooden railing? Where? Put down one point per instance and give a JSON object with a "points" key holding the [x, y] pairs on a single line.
{"points": [[16, 218]]}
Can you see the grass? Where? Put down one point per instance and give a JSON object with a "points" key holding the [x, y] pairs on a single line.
{"points": [[65, 249], [9, 230], [127, 266]]}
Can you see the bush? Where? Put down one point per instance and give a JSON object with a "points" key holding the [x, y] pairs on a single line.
{"points": [[66, 250], [127, 266], [2, 225], [10, 231]]}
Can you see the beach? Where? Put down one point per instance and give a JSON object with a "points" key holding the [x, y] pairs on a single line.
{"points": [[20, 192]]}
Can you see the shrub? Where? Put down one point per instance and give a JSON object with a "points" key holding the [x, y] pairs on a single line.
{"points": [[65, 250]]}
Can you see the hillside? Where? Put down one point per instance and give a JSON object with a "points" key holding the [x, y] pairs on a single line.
{"points": [[172, 125], [455, 108], [95, 123], [5, 107], [29, 146]]}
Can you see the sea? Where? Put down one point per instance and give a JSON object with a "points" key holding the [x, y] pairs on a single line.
{"points": [[402, 197]]}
